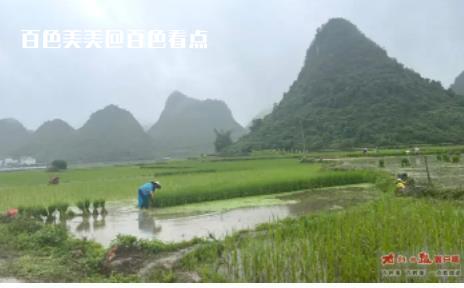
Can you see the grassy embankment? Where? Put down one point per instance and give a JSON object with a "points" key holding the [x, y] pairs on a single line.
{"points": [[338, 246]]}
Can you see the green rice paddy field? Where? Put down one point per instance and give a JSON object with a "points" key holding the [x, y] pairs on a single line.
{"points": [[182, 181], [331, 246]]}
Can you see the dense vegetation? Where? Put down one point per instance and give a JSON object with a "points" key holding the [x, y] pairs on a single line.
{"points": [[47, 253], [186, 125], [223, 140], [349, 93], [336, 247]]}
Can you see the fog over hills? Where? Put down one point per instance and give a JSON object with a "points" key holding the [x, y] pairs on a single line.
{"points": [[185, 128], [186, 125], [458, 85]]}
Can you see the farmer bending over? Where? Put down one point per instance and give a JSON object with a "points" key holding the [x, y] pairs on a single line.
{"points": [[146, 192]]}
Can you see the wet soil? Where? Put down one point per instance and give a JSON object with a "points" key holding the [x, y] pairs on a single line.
{"points": [[443, 174]]}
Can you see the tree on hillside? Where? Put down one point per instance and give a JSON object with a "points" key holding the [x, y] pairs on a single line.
{"points": [[255, 124], [223, 140]]}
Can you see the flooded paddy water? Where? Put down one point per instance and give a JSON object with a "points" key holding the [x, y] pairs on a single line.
{"points": [[214, 218]]}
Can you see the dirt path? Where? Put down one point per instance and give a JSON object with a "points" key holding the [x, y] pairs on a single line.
{"points": [[3, 261], [168, 262], [9, 280], [152, 268]]}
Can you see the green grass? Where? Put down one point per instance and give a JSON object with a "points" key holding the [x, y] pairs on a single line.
{"points": [[335, 247], [183, 182], [47, 253]]}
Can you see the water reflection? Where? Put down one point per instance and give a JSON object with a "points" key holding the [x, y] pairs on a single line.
{"points": [[99, 223], [147, 222], [125, 218], [144, 224], [84, 226]]}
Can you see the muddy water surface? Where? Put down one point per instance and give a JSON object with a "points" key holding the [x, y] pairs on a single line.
{"points": [[125, 218]]}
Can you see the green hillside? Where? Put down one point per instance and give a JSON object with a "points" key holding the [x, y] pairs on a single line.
{"points": [[349, 93]]}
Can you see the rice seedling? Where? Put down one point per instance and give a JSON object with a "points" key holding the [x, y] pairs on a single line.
{"points": [[62, 210], [87, 204], [42, 212], [102, 206], [84, 207], [80, 206], [446, 157], [25, 211], [51, 210], [70, 214], [95, 205], [35, 212]]}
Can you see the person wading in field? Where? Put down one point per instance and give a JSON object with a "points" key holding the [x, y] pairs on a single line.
{"points": [[146, 193]]}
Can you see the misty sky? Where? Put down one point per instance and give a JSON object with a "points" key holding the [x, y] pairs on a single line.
{"points": [[256, 49]]}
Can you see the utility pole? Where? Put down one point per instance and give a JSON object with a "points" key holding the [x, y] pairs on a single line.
{"points": [[303, 136], [427, 170]]}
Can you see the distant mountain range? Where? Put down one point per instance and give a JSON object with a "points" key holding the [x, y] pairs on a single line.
{"points": [[12, 135], [458, 85], [111, 134], [185, 128], [187, 125], [51, 140], [349, 93]]}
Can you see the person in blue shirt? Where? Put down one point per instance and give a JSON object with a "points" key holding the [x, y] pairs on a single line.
{"points": [[146, 192]]}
